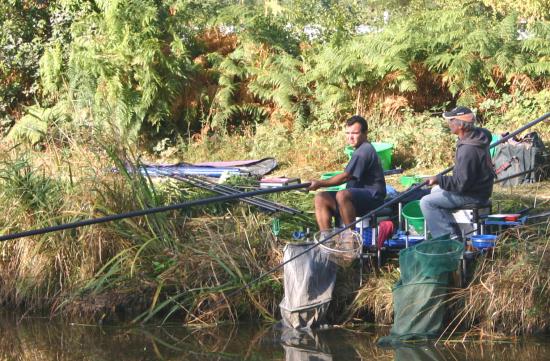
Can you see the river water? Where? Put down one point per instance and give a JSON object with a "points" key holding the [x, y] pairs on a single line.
{"points": [[43, 339]]}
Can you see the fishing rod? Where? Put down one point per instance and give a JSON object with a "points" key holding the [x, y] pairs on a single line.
{"points": [[225, 189], [514, 175], [143, 212], [200, 181], [369, 214], [384, 205]]}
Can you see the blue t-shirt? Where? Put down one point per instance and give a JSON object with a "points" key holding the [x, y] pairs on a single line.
{"points": [[366, 171]]}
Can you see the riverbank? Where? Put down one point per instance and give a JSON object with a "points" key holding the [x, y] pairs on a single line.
{"points": [[187, 266], [506, 294]]}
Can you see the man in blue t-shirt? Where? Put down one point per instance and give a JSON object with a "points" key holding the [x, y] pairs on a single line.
{"points": [[366, 187]]}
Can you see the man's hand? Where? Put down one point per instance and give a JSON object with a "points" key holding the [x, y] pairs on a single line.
{"points": [[432, 181], [315, 184]]}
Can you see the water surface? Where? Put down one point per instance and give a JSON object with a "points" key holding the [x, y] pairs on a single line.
{"points": [[42, 339]]}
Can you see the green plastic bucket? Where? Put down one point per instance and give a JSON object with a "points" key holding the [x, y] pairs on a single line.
{"points": [[413, 214], [384, 151], [333, 188]]}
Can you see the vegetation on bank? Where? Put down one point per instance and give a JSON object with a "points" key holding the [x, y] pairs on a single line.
{"points": [[89, 88], [507, 293], [188, 265], [158, 72]]}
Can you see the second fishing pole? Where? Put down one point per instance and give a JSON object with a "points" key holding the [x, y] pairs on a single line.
{"points": [[386, 204]]}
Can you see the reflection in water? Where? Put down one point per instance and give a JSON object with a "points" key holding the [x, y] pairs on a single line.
{"points": [[304, 346], [41, 339], [419, 354]]}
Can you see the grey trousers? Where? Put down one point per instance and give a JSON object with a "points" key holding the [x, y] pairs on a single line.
{"points": [[437, 210]]}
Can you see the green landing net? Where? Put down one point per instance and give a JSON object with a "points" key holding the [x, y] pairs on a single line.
{"points": [[420, 295]]}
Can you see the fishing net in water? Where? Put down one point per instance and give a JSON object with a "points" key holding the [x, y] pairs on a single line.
{"points": [[428, 260], [308, 283], [341, 248], [420, 295], [310, 277]]}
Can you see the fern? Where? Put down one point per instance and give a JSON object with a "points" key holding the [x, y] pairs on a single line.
{"points": [[33, 126], [538, 44], [129, 63]]}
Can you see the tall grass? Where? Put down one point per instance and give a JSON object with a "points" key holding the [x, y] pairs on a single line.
{"points": [[508, 291], [188, 265], [171, 264]]}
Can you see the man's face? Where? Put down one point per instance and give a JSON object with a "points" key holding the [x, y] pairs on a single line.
{"points": [[453, 126], [354, 136]]}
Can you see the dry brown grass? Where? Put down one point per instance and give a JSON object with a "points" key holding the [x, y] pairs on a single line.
{"points": [[509, 294], [375, 297]]}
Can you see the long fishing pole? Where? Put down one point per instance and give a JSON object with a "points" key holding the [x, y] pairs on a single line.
{"points": [[143, 212], [388, 203], [224, 189], [371, 213], [243, 195]]}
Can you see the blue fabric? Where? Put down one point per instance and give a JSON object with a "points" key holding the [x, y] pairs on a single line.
{"points": [[366, 171], [437, 210], [363, 200], [390, 191]]}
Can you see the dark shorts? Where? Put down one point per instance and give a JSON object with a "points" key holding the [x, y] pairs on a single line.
{"points": [[363, 200]]}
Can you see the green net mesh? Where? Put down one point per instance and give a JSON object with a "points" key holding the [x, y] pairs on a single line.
{"points": [[428, 260], [419, 295]]}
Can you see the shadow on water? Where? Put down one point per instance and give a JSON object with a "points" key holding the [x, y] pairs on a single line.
{"points": [[42, 339]]}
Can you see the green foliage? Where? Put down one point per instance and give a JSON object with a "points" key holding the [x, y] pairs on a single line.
{"points": [[328, 21], [530, 9], [128, 61], [538, 44], [253, 25], [33, 126], [149, 68], [477, 56], [35, 192], [24, 30], [51, 66], [512, 111], [226, 108], [339, 76], [420, 141]]}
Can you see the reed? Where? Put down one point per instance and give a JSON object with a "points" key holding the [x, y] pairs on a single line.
{"points": [[374, 299], [188, 265], [177, 262], [509, 293]]}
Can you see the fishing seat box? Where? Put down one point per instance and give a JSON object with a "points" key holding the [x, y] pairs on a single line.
{"points": [[469, 218]]}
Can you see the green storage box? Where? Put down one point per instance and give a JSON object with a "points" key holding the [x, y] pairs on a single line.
{"points": [[409, 180], [384, 151], [348, 150]]}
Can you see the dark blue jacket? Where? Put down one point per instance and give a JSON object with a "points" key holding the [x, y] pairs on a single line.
{"points": [[473, 173]]}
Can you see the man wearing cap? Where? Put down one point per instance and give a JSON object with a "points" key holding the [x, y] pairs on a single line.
{"points": [[472, 178], [365, 188]]}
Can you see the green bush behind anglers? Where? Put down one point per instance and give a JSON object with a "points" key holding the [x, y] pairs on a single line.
{"points": [[160, 69]]}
